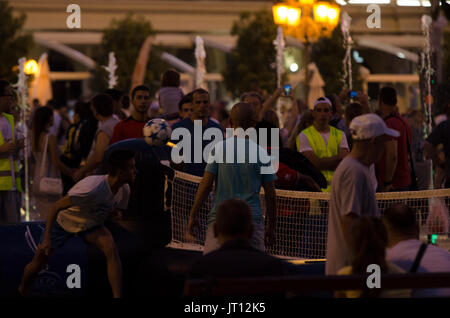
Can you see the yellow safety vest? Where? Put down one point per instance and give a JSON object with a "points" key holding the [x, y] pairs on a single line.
{"points": [[6, 183], [321, 150]]}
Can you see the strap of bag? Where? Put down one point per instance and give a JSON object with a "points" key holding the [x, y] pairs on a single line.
{"points": [[419, 256], [44, 159], [411, 162]]}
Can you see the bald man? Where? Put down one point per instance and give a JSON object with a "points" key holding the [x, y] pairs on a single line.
{"points": [[240, 179], [233, 229]]}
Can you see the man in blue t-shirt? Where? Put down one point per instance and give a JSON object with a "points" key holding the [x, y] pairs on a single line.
{"points": [[239, 175], [193, 163]]}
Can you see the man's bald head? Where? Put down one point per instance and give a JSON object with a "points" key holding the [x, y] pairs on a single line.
{"points": [[243, 116], [400, 219], [233, 220]]}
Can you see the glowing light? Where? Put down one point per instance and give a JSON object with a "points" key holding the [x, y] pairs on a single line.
{"points": [[31, 67], [293, 17], [322, 11], [293, 67], [280, 14], [332, 13]]}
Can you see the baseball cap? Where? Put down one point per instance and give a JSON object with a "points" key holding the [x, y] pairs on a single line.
{"points": [[369, 126], [323, 100]]}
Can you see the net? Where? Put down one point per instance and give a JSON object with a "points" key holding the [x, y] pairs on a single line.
{"points": [[303, 217]]}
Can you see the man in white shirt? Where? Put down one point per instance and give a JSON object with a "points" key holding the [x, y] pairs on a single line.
{"points": [[82, 212], [404, 245], [352, 192]]}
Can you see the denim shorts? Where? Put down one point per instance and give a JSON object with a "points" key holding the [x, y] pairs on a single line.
{"points": [[59, 236]]}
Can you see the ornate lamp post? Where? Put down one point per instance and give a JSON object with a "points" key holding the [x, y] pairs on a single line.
{"points": [[306, 20]]}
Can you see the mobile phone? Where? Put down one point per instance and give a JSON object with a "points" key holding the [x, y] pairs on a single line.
{"points": [[287, 89], [353, 94]]}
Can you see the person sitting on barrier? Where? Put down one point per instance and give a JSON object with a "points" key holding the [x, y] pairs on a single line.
{"points": [[369, 243], [404, 248], [238, 178], [233, 229], [82, 213]]}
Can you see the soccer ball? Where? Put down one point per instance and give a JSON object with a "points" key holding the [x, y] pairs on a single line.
{"points": [[157, 132]]}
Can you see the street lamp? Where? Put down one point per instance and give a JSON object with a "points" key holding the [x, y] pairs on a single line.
{"points": [[31, 67], [306, 20]]}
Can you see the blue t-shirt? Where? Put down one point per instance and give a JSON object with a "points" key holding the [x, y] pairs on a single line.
{"points": [[193, 168], [240, 180]]}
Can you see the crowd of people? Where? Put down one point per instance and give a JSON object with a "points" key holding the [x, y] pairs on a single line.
{"points": [[338, 145]]}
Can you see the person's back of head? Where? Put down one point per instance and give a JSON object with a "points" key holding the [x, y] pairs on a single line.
{"points": [[242, 116], [333, 101], [251, 94], [254, 99], [233, 221], [170, 78], [223, 115], [103, 105], [83, 110], [115, 94], [271, 117], [50, 103], [354, 110], [268, 125], [400, 221], [388, 96], [119, 164], [36, 102]]}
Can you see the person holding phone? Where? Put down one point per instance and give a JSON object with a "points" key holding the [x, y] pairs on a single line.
{"points": [[10, 184]]}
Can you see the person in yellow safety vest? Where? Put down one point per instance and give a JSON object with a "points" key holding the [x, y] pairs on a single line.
{"points": [[323, 145], [10, 185]]}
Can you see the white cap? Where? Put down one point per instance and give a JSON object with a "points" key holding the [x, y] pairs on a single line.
{"points": [[369, 126], [323, 100]]}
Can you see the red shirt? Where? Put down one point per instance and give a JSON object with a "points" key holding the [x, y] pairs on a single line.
{"points": [[126, 129], [402, 176]]}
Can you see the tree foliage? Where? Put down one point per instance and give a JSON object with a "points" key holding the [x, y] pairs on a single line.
{"points": [[15, 44], [328, 54], [125, 37], [254, 55]]}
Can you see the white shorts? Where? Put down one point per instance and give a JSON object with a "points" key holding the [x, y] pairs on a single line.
{"points": [[256, 242]]}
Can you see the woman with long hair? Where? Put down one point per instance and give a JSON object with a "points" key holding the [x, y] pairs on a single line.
{"points": [[369, 242], [42, 121]]}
